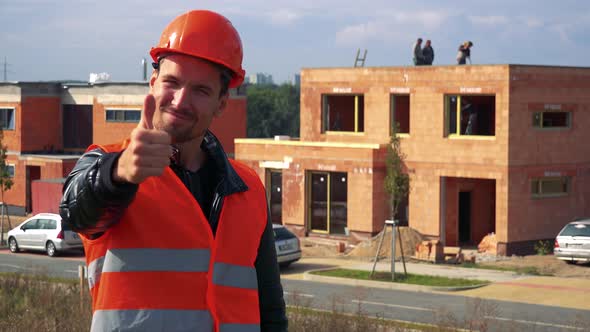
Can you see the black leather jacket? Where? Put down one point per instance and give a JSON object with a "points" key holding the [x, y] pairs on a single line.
{"points": [[91, 203]]}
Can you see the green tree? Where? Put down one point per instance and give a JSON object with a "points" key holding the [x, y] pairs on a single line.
{"points": [[397, 186], [397, 182], [5, 183], [272, 110]]}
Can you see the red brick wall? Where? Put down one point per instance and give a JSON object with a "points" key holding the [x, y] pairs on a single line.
{"points": [[12, 138], [49, 170], [105, 132], [358, 163], [16, 195], [541, 218], [41, 124], [536, 152]]}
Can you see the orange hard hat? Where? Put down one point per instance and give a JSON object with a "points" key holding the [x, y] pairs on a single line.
{"points": [[207, 35]]}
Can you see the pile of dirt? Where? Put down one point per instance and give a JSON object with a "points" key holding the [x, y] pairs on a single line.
{"points": [[367, 249], [547, 265]]}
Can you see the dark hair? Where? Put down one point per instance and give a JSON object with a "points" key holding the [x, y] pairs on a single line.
{"points": [[225, 74]]}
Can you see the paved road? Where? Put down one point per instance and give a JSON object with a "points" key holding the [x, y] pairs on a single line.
{"points": [[434, 308], [423, 307], [65, 266]]}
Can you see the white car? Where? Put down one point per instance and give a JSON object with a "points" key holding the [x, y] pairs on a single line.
{"points": [[43, 231], [572, 244], [287, 245]]}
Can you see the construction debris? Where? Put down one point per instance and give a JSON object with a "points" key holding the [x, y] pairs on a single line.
{"points": [[489, 244], [453, 255], [431, 251], [410, 239]]}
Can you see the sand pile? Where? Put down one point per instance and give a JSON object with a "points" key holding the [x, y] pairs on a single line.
{"points": [[410, 239]]}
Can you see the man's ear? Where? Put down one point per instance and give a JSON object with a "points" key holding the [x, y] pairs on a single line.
{"points": [[222, 105], [153, 80]]}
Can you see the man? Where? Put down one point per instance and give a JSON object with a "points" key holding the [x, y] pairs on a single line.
{"points": [[464, 53], [428, 53], [177, 237], [417, 53]]}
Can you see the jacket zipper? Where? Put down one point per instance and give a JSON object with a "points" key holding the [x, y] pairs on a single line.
{"points": [[216, 209]]}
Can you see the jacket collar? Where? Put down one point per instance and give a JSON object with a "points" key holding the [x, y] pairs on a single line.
{"points": [[229, 180]]}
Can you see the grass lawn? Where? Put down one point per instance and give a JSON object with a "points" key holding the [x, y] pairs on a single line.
{"points": [[414, 279]]}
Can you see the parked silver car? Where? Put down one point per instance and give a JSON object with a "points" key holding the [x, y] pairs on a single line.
{"points": [[573, 242], [43, 231], [287, 245]]}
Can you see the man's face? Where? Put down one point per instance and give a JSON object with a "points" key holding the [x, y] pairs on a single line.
{"points": [[186, 90]]}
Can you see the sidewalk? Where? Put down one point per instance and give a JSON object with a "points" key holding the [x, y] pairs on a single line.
{"points": [[505, 286]]}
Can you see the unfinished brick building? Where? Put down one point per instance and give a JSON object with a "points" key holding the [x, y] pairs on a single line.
{"points": [[48, 125], [489, 148]]}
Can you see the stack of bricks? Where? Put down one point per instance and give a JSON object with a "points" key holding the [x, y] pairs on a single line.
{"points": [[431, 251]]}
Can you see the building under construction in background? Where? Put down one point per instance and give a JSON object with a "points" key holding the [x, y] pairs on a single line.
{"points": [[48, 125], [489, 148]]}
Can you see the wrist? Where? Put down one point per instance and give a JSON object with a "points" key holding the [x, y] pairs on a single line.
{"points": [[117, 175]]}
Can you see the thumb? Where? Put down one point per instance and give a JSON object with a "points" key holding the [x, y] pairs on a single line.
{"points": [[147, 114]]}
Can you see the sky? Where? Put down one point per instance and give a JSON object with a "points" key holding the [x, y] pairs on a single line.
{"points": [[69, 39]]}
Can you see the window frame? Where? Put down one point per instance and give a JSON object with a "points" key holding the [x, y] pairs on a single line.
{"points": [[326, 113], [9, 167], [12, 121], [541, 127], [538, 193], [447, 115], [268, 182], [392, 110], [123, 112], [329, 202]]}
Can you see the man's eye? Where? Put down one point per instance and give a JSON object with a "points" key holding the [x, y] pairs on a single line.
{"points": [[202, 91]]}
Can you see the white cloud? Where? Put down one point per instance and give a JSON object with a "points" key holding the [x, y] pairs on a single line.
{"points": [[427, 19], [390, 26], [490, 20], [284, 16], [562, 31], [533, 22], [359, 33]]}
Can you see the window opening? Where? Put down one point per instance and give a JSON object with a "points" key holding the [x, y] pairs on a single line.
{"points": [[343, 113], [470, 115]]}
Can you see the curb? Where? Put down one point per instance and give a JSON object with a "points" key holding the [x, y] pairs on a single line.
{"points": [[383, 284]]}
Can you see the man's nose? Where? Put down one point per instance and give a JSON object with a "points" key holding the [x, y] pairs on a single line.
{"points": [[181, 97]]}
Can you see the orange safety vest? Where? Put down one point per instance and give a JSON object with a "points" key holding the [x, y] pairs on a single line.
{"points": [[161, 269]]}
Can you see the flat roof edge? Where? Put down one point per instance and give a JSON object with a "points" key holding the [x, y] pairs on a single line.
{"points": [[271, 141], [510, 65]]}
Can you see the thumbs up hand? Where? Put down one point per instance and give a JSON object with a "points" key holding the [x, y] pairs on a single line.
{"points": [[148, 152]]}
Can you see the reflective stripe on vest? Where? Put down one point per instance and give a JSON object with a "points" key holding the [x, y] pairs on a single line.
{"points": [[94, 271], [153, 320], [239, 328], [149, 259], [234, 276]]}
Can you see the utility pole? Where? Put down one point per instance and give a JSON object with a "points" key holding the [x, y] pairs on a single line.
{"points": [[5, 71]]}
